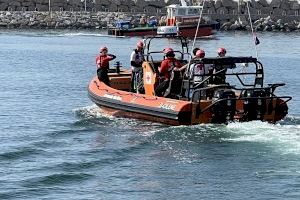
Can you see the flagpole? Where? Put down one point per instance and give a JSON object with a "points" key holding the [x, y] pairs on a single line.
{"points": [[252, 29]]}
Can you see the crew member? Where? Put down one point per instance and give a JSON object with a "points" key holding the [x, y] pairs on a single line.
{"points": [[166, 67], [136, 60], [143, 21], [198, 72], [102, 62], [185, 66], [220, 77]]}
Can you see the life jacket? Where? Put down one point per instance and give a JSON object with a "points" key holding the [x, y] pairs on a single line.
{"points": [[102, 61], [168, 65]]}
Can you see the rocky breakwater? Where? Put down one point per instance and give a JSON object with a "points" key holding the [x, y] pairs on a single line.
{"points": [[278, 15], [262, 24], [61, 20]]}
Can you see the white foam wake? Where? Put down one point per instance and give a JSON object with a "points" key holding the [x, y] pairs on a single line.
{"points": [[285, 138]]}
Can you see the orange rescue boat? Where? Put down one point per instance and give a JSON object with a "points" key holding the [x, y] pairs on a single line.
{"points": [[241, 97]]}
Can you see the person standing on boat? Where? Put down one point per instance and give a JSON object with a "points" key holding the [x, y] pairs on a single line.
{"points": [[136, 60], [166, 67], [198, 72], [219, 70], [102, 62]]}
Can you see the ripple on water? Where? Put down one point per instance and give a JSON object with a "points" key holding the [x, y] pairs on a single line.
{"points": [[56, 179], [20, 153]]}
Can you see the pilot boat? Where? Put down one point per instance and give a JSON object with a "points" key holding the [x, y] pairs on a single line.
{"points": [[243, 96], [181, 19]]}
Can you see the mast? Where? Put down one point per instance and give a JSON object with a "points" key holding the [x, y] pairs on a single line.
{"points": [[183, 3]]}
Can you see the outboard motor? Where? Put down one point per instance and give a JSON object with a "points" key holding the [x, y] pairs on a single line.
{"points": [[224, 110], [254, 105]]}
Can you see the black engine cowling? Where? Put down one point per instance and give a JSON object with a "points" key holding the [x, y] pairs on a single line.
{"points": [[225, 107], [254, 105]]}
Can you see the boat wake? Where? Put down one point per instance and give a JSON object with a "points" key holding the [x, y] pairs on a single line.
{"points": [[58, 33], [94, 115], [283, 136]]}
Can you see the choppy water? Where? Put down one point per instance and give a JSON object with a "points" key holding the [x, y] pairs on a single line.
{"points": [[55, 144]]}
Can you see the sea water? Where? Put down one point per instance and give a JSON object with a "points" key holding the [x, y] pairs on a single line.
{"points": [[56, 144]]}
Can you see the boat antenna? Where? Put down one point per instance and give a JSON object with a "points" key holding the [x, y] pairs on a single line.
{"points": [[256, 41], [198, 25], [183, 3], [194, 41]]}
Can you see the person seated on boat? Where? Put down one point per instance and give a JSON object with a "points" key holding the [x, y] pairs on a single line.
{"points": [[136, 60], [220, 77], [102, 62], [166, 67], [152, 21], [197, 72], [143, 21]]}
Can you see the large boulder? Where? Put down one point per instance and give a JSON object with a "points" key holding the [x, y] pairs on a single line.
{"points": [[228, 3], [278, 11], [211, 10], [255, 4], [294, 5], [209, 4], [264, 3], [3, 6], [222, 10], [275, 4], [218, 4], [285, 4], [266, 10], [157, 3]]}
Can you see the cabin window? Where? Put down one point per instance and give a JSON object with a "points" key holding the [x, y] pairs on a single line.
{"points": [[259, 12], [193, 11], [181, 11], [61, 9], [71, 10]]}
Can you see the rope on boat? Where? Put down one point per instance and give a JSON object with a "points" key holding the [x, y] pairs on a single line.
{"points": [[253, 34]]}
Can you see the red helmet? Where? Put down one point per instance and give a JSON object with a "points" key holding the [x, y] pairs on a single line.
{"points": [[103, 49], [221, 50], [168, 50], [200, 53], [140, 44]]}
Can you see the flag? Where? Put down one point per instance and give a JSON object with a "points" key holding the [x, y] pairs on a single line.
{"points": [[256, 40]]}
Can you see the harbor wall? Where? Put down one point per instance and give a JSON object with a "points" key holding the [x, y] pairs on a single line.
{"points": [[98, 14]]}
